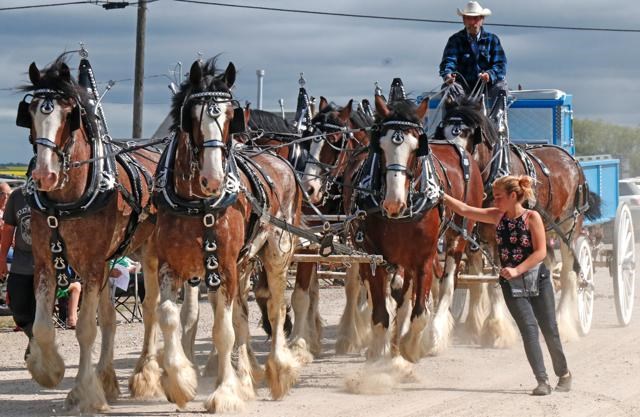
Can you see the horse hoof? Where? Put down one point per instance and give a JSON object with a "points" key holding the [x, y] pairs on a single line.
{"points": [[224, 400], [109, 384], [281, 376], [300, 352], [145, 381]]}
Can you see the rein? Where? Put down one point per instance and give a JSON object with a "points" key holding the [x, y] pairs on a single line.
{"points": [[125, 147]]}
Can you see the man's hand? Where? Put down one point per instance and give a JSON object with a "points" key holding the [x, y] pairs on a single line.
{"points": [[450, 78], [484, 76]]}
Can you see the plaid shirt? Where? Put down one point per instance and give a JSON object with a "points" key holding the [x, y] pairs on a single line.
{"points": [[459, 57]]}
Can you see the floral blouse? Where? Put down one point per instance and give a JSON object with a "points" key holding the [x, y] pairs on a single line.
{"points": [[514, 240]]}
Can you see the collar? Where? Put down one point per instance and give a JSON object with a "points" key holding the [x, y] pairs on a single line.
{"points": [[469, 36]]}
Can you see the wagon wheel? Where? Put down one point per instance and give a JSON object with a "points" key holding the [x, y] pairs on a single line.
{"points": [[458, 303], [624, 264], [585, 285]]}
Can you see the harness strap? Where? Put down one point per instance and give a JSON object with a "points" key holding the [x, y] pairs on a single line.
{"points": [[212, 277], [58, 251]]}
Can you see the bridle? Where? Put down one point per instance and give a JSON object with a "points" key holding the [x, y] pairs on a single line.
{"points": [[423, 189], [211, 101], [321, 132], [74, 121], [398, 138]]}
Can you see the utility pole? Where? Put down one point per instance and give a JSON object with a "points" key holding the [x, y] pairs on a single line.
{"points": [[260, 74], [138, 83]]}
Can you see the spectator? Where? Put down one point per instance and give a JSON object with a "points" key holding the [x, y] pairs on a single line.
{"points": [[121, 272], [16, 231], [68, 301]]}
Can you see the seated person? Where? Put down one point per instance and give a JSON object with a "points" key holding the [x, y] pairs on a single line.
{"points": [[120, 275], [68, 301]]}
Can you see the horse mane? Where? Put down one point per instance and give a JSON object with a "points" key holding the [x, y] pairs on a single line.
{"points": [[326, 115], [269, 122], [212, 80], [50, 79], [358, 118], [473, 116], [361, 120], [405, 110]]}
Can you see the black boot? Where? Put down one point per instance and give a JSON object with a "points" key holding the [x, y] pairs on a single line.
{"points": [[543, 388], [564, 383]]}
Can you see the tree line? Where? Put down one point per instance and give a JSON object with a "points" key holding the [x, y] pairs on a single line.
{"points": [[594, 137]]}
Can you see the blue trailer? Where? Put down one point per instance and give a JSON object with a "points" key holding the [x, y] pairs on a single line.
{"points": [[546, 117]]}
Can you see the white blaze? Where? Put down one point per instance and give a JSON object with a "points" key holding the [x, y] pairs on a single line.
{"points": [[397, 154], [47, 126], [212, 163], [311, 177]]}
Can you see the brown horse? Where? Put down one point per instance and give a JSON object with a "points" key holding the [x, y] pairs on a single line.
{"points": [[89, 212], [338, 149], [562, 197], [406, 176], [213, 199]]}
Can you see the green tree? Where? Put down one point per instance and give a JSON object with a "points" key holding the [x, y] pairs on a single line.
{"points": [[593, 137]]}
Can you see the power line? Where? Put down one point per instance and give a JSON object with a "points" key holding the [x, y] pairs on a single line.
{"points": [[402, 19], [35, 6], [72, 3]]}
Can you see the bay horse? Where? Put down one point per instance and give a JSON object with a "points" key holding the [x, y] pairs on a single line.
{"points": [[84, 214], [266, 131], [213, 200], [562, 198], [339, 148], [406, 176]]}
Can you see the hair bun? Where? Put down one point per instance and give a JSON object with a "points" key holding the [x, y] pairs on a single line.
{"points": [[525, 181]]}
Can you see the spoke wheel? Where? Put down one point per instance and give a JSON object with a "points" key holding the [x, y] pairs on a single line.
{"points": [[585, 285], [624, 264]]}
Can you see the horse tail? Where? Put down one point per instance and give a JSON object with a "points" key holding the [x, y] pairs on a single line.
{"points": [[594, 209]]}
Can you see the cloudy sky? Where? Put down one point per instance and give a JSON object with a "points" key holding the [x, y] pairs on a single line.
{"points": [[340, 57]]}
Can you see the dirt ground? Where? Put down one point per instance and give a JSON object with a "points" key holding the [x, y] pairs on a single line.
{"points": [[464, 381]]}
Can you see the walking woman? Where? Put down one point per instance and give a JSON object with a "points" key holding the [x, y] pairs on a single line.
{"points": [[524, 279]]}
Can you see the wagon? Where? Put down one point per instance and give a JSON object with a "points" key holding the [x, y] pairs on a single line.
{"points": [[546, 117]]}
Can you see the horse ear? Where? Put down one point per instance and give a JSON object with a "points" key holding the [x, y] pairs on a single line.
{"points": [[230, 75], [381, 106], [323, 103], [345, 113], [423, 108], [34, 74], [247, 114], [195, 73], [65, 72]]}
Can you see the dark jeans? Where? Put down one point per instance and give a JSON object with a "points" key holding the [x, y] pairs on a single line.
{"points": [[22, 301], [529, 312], [492, 91]]}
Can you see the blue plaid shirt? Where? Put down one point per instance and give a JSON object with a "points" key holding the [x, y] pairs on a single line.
{"points": [[459, 57]]}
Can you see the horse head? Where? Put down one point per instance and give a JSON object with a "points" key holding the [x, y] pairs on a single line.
{"points": [[400, 138], [52, 110], [206, 115], [465, 123], [334, 140]]}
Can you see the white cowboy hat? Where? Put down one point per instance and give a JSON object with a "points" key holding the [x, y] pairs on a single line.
{"points": [[473, 8]]}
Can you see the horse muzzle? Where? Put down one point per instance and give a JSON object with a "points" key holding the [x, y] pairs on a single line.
{"points": [[45, 179], [394, 209]]}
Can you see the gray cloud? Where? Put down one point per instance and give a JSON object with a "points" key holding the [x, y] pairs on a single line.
{"points": [[341, 57]]}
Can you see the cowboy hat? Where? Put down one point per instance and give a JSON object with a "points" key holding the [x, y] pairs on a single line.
{"points": [[473, 8]]}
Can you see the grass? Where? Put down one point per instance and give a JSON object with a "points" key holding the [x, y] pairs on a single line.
{"points": [[18, 170], [6, 322]]}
